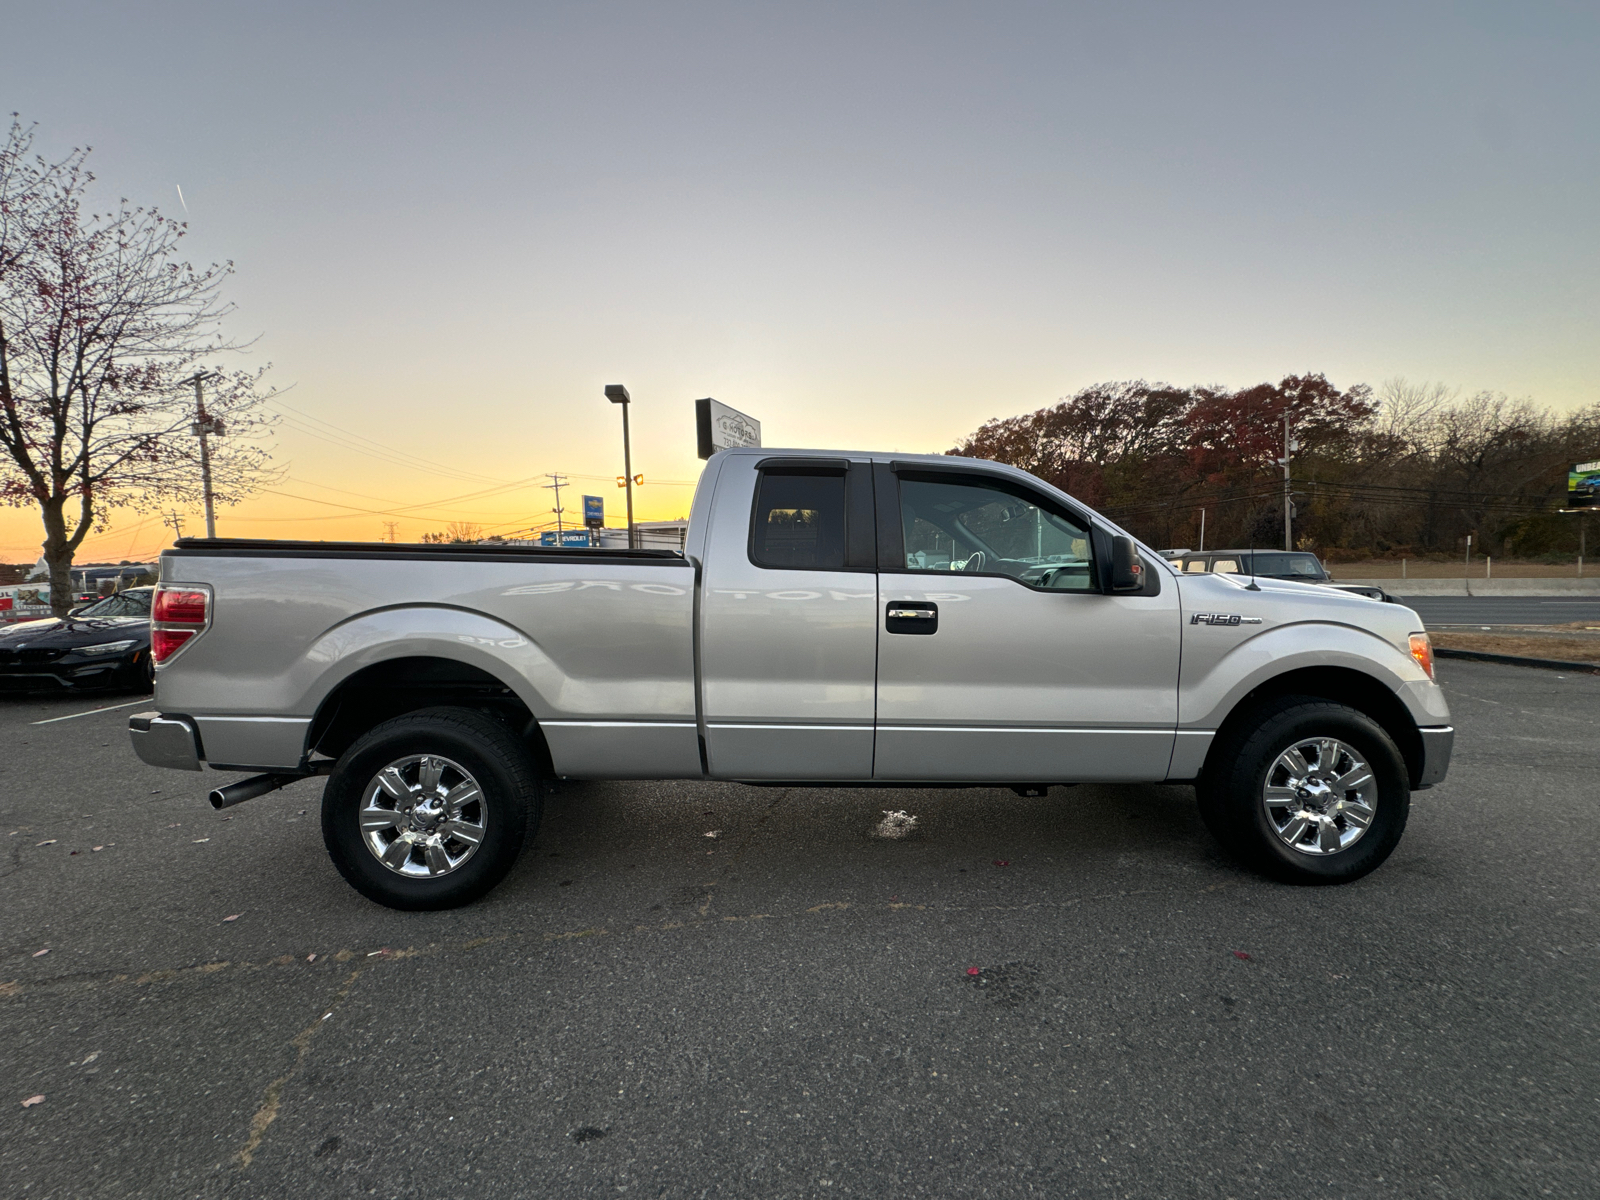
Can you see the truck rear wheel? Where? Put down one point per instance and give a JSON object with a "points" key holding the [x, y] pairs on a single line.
{"points": [[1307, 791], [430, 810]]}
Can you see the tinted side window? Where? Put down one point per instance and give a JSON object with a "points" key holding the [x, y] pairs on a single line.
{"points": [[799, 522]]}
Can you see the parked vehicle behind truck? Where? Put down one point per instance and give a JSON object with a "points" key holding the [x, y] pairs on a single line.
{"points": [[835, 619]]}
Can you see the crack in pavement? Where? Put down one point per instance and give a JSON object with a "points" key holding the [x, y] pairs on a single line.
{"points": [[706, 919], [272, 1098]]}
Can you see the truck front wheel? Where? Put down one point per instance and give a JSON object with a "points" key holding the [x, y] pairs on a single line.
{"points": [[1307, 791], [429, 810]]}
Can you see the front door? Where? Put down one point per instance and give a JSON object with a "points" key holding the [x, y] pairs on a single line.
{"points": [[1000, 658]]}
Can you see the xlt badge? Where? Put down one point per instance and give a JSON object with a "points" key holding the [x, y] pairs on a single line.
{"points": [[1222, 619]]}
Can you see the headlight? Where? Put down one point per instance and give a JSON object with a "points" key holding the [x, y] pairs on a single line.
{"points": [[106, 648]]}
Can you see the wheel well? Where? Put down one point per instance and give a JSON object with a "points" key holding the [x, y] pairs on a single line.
{"points": [[1344, 686], [397, 686]]}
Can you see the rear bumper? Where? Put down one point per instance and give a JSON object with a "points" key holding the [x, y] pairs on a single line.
{"points": [[164, 741], [1437, 743]]}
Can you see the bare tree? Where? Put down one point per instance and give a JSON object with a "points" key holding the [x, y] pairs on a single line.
{"points": [[457, 532], [101, 324]]}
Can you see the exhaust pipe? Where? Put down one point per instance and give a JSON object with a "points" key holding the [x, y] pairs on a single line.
{"points": [[249, 789]]}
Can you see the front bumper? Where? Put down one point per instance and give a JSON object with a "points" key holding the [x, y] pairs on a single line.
{"points": [[164, 741], [1437, 743], [66, 673]]}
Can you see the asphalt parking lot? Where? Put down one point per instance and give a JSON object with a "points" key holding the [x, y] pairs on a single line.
{"points": [[790, 1008]]}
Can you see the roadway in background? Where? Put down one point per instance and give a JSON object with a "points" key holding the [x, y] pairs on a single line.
{"points": [[1440, 611], [791, 1008]]}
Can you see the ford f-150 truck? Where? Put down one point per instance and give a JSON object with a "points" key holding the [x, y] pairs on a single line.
{"points": [[835, 619]]}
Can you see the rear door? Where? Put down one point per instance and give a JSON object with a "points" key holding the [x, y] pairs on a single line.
{"points": [[1000, 657], [788, 622]]}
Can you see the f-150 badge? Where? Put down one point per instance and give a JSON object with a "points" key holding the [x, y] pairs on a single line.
{"points": [[1222, 619]]}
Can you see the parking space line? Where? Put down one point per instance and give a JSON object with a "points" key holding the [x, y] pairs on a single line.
{"points": [[92, 711]]}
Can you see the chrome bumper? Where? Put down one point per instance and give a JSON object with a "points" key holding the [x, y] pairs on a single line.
{"points": [[1436, 746], [165, 741]]}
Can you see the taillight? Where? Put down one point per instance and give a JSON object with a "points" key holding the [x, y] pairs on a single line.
{"points": [[177, 617], [180, 607], [1422, 651]]}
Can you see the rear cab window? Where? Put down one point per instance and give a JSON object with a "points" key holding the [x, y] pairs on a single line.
{"points": [[813, 515]]}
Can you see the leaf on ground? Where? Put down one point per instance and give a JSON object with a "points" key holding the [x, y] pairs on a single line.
{"points": [[234, 917], [1241, 954], [37, 953], [32, 1100]]}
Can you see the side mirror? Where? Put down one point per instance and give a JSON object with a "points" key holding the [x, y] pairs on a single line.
{"points": [[1127, 572]]}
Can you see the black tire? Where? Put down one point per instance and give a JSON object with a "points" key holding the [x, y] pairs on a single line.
{"points": [[510, 794], [1232, 788]]}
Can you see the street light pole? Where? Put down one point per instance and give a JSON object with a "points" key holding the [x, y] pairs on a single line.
{"points": [[204, 426], [618, 394]]}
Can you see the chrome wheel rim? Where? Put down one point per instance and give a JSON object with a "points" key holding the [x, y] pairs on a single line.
{"points": [[1320, 796], [423, 816]]}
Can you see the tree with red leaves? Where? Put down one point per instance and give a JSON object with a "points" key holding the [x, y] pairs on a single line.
{"points": [[101, 323]]}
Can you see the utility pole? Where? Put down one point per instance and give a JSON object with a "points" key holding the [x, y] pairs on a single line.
{"points": [[390, 527], [557, 482], [174, 522], [1289, 446], [202, 428]]}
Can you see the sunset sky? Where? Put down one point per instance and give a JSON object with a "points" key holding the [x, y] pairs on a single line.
{"points": [[868, 225]]}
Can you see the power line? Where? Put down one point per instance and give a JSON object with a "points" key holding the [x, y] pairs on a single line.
{"points": [[414, 460]]}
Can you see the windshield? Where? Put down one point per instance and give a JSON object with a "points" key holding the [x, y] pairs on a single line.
{"points": [[123, 604], [1289, 566]]}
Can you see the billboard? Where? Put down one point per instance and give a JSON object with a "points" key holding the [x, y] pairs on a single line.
{"points": [[719, 427], [594, 511], [567, 538], [1583, 485], [24, 602]]}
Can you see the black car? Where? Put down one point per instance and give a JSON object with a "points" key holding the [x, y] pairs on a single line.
{"points": [[101, 645]]}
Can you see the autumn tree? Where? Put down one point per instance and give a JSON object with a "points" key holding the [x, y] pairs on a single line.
{"points": [[101, 324]]}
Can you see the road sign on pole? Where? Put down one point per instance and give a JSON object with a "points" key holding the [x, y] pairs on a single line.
{"points": [[594, 511]]}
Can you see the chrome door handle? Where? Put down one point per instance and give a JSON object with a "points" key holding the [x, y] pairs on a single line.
{"points": [[907, 616]]}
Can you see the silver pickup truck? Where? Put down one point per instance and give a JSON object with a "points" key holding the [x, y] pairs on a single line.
{"points": [[835, 619]]}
